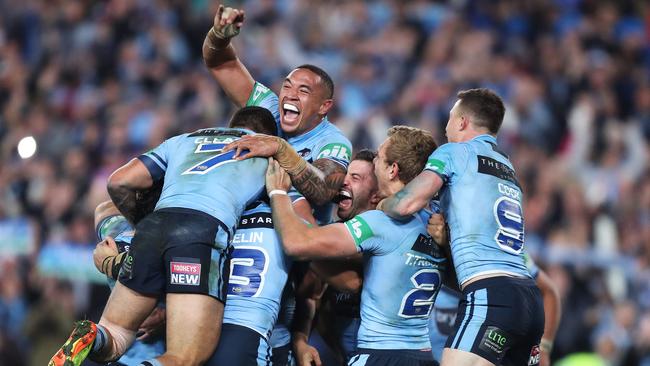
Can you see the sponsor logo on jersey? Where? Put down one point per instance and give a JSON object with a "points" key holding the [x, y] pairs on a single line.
{"points": [[535, 356], [185, 273], [359, 229], [495, 168], [304, 153], [256, 220], [335, 150], [426, 245], [495, 341], [435, 165]]}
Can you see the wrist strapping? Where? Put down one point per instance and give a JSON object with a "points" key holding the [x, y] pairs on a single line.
{"points": [[277, 192], [546, 345], [289, 159]]}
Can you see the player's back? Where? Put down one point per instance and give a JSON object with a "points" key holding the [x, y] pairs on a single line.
{"points": [[199, 176], [403, 269], [482, 201], [258, 272]]}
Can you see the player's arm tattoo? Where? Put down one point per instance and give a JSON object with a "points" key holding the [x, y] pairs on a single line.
{"points": [[413, 197], [320, 181], [125, 200]]}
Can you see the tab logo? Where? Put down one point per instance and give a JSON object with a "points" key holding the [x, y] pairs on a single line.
{"points": [[183, 273]]}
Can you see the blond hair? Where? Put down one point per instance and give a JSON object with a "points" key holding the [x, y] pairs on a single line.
{"points": [[410, 148]]}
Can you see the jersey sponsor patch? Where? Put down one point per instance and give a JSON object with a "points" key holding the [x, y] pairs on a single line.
{"points": [[335, 150], [435, 165], [185, 273], [495, 341], [256, 220], [359, 229], [495, 168], [535, 356], [259, 92]]}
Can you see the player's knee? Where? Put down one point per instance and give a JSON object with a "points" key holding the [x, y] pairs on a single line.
{"points": [[121, 339]]}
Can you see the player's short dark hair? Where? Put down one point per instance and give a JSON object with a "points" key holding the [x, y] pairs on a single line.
{"points": [[324, 78], [365, 155], [256, 119], [486, 107]]}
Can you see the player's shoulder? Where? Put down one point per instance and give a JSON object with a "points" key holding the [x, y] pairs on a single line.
{"points": [[259, 94]]}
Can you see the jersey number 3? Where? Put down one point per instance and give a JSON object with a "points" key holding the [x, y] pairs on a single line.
{"points": [[247, 270], [419, 301]]}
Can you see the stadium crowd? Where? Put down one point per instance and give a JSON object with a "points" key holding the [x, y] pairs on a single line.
{"points": [[96, 83]]}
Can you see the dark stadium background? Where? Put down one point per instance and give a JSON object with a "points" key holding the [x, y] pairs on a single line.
{"points": [[97, 82]]}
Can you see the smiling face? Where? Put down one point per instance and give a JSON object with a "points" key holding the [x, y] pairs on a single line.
{"points": [[303, 102], [358, 193]]}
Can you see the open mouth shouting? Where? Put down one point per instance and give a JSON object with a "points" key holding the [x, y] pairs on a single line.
{"points": [[290, 113], [344, 199]]}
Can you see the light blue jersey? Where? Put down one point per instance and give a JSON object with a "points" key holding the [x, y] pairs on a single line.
{"points": [[481, 200], [258, 272], [199, 176], [119, 229], [325, 141], [445, 310], [403, 269]]}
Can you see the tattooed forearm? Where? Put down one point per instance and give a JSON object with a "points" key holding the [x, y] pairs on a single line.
{"points": [[391, 205], [320, 182], [124, 199]]}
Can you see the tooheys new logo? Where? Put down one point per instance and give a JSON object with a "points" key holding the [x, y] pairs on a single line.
{"points": [[185, 273], [535, 356]]}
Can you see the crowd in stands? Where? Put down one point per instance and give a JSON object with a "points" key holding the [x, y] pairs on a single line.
{"points": [[98, 82]]}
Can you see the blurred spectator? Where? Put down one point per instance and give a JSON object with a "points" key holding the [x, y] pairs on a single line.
{"points": [[97, 82]]}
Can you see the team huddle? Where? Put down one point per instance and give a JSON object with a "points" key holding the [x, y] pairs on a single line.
{"points": [[237, 241]]}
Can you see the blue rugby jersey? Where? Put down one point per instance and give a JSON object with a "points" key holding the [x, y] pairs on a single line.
{"points": [[199, 176], [482, 202], [403, 269]]}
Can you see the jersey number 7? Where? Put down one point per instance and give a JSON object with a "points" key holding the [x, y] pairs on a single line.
{"points": [[212, 162]]}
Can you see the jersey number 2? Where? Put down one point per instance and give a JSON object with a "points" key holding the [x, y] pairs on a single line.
{"points": [[419, 301]]}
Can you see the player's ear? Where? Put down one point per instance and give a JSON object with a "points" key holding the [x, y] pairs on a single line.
{"points": [[464, 122], [325, 106], [375, 198], [394, 171]]}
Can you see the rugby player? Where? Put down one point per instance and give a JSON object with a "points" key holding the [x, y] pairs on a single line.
{"points": [[315, 153], [403, 267], [444, 311], [115, 234], [501, 317], [180, 249]]}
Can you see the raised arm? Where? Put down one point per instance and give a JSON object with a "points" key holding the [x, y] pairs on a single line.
{"points": [[413, 197], [221, 59]]}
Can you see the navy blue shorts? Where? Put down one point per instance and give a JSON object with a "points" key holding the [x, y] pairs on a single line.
{"points": [[392, 357], [500, 319], [173, 252], [282, 356], [240, 346]]}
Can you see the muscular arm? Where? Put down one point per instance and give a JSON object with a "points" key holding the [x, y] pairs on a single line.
{"points": [[413, 197], [221, 59], [320, 182], [104, 210], [300, 240], [123, 185]]}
